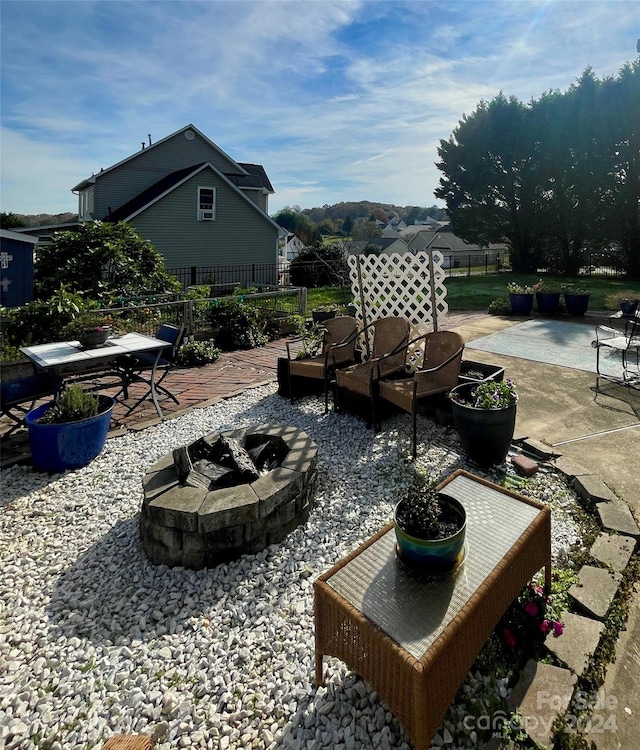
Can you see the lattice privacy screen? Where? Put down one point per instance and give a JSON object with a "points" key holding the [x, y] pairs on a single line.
{"points": [[404, 285]]}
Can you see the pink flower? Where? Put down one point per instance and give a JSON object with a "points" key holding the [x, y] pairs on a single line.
{"points": [[531, 609], [545, 627], [509, 638], [558, 628]]}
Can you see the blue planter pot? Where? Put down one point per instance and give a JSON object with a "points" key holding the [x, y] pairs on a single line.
{"points": [[548, 303], [521, 304], [58, 447], [433, 556], [485, 434], [576, 304]]}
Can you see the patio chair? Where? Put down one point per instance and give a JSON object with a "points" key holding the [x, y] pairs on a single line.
{"points": [[388, 356], [132, 368], [625, 343], [19, 396], [437, 374], [342, 329]]}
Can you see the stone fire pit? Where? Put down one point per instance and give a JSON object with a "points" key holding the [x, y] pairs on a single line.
{"points": [[188, 519]]}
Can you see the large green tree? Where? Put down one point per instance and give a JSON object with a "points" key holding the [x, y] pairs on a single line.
{"points": [[102, 261], [555, 178], [620, 107], [489, 182]]}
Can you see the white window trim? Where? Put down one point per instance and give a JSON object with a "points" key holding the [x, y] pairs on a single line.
{"points": [[203, 214]]}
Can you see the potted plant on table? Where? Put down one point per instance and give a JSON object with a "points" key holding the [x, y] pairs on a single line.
{"points": [[430, 528], [485, 419], [70, 432], [576, 299], [547, 297], [520, 298]]}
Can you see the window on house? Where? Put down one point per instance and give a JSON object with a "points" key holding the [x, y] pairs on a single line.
{"points": [[84, 204], [206, 204]]}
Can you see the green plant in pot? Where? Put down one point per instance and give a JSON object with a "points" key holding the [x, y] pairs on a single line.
{"points": [[324, 312], [430, 528], [520, 298], [576, 299], [485, 419], [547, 297], [70, 432]]}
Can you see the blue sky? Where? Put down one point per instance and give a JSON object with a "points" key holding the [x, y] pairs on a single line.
{"points": [[339, 101]]}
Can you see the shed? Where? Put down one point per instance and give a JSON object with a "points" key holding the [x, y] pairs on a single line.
{"points": [[16, 268]]}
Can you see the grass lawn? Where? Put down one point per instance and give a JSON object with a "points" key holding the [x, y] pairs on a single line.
{"points": [[477, 292]]}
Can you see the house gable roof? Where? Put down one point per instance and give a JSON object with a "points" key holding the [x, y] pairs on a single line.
{"points": [[234, 164], [169, 183]]}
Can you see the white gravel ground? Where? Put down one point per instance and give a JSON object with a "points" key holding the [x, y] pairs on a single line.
{"points": [[94, 640]]}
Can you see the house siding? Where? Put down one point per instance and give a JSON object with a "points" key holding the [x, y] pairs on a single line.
{"points": [[119, 185], [239, 234]]}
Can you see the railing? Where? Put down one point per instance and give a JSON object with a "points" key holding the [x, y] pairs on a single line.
{"points": [[194, 313], [246, 275]]}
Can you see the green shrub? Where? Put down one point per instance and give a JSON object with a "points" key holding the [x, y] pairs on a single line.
{"points": [[499, 306], [73, 404], [240, 325], [197, 353]]}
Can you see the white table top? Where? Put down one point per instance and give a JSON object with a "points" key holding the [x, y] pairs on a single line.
{"points": [[61, 353]]}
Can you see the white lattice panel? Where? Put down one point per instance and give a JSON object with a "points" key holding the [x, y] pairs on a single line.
{"points": [[405, 285]]}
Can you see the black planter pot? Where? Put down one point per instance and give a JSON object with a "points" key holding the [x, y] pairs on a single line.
{"points": [[628, 307], [576, 304], [319, 316], [485, 434], [521, 304], [548, 303], [470, 370]]}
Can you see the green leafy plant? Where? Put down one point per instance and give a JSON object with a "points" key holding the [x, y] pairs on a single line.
{"points": [[546, 287], [197, 353], [489, 395], [574, 289], [331, 307], [499, 306], [420, 514], [312, 341], [73, 404], [514, 288], [240, 325]]}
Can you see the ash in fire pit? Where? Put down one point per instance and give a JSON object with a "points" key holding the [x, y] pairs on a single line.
{"points": [[227, 494], [227, 462]]}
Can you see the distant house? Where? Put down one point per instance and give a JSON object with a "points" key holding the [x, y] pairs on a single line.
{"points": [[197, 205], [455, 250], [384, 245]]}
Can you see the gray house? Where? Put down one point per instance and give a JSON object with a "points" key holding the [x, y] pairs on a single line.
{"points": [[196, 204]]}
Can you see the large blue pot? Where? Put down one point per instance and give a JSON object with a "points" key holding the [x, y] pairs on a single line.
{"points": [[521, 304], [576, 304], [548, 302], [434, 556], [485, 434], [58, 447]]}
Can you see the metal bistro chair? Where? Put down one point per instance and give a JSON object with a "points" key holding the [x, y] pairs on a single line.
{"points": [[388, 356], [131, 368], [627, 344], [19, 396], [437, 374], [338, 331]]}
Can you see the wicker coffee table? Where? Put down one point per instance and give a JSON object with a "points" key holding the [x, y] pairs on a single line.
{"points": [[413, 638]]}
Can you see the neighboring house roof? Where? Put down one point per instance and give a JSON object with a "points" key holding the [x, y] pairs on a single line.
{"points": [[164, 186], [382, 242], [255, 179], [91, 180]]}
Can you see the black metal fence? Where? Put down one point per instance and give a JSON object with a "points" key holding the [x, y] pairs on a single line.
{"points": [[247, 275]]}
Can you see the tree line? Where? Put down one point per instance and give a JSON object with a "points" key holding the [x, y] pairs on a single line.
{"points": [[556, 178], [355, 219]]}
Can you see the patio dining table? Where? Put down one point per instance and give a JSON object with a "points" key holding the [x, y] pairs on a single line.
{"points": [[69, 359]]}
